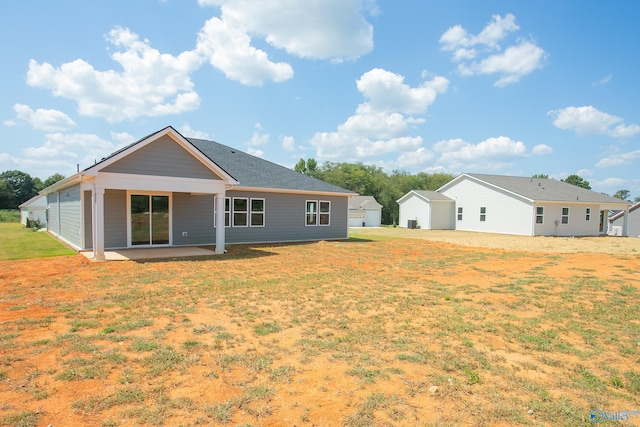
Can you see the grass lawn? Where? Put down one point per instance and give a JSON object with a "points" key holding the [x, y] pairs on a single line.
{"points": [[18, 242], [359, 333]]}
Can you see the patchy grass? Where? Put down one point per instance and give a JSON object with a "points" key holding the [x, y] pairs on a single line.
{"points": [[365, 332]]}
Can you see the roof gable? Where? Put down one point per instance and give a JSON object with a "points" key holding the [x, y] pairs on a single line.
{"points": [[426, 195], [364, 202], [125, 159]]}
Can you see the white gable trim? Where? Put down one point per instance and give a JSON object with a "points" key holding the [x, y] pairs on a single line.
{"points": [[175, 136], [464, 176]]}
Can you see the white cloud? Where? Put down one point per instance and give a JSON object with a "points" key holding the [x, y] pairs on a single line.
{"points": [[414, 159], [150, 83], [288, 143], [228, 48], [41, 119], [328, 29], [541, 149], [619, 159], [515, 62], [512, 64], [589, 120], [383, 123], [258, 138], [187, 131], [603, 81], [492, 153]]}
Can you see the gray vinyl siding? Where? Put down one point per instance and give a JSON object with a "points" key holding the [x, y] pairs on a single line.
{"points": [[71, 215], [163, 157], [285, 219], [115, 219], [193, 214], [88, 218], [53, 221]]}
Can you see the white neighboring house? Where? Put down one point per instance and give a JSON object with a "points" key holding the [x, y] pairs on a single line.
{"points": [[616, 222], [431, 210], [530, 206], [34, 209], [364, 211]]}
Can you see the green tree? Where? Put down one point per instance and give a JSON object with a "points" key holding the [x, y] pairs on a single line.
{"points": [[6, 198], [52, 180], [622, 194], [577, 181], [20, 186], [310, 167]]}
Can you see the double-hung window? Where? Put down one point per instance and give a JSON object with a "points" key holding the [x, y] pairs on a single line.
{"points": [[318, 212], [460, 214], [539, 214], [483, 214], [587, 214], [240, 211], [565, 215], [227, 212], [257, 212]]}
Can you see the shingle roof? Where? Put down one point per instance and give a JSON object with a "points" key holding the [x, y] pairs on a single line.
{"points": [[432, 195], [544, 190], [620, 214], [252, 171], [361, 202]]}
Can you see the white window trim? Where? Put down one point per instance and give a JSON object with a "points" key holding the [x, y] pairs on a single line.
{"points": [[226, 212], [563, 216], [233, 212], [320, 213], [587, 214], [263, 212], [317, 213], [541, 215], [483, 214], [307, 212], [460, 213]]}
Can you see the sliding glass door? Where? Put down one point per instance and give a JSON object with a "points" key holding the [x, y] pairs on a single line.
{"points": [[149, 220]]}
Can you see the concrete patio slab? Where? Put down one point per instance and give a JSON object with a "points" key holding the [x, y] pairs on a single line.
{"points": [[150, 253]]}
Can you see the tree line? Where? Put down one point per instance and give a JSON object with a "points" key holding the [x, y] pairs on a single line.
{"points": [[16, 187], [369, 180], [388, 188]]}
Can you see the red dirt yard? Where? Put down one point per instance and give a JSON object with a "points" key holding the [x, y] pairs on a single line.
{"points": [[391, 328]]}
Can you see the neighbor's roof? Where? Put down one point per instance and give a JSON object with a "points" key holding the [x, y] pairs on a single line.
{"points": [[620, 214], [254, 172], [36, 198], [364, 202], [431, 196], [542, 189]]}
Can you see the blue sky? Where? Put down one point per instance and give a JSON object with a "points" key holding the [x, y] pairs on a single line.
{"points": [[510, 88]]}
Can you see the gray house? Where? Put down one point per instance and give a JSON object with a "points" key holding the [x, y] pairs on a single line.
{"points": [[168, 190]]}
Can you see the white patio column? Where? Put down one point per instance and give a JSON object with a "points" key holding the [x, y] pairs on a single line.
{"points": [[220, 225], [625, 223], [98, 242]]}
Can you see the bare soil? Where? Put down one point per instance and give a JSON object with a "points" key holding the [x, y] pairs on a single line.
{"points": [[419, 328]]}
